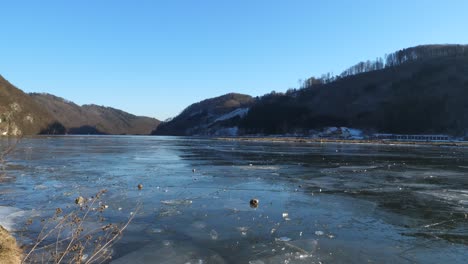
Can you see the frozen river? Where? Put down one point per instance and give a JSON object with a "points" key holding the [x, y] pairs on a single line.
{"points": [[318, 203]]}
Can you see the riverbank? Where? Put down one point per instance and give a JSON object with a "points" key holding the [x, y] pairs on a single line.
{"points": [[346, 141], [10, 253]]}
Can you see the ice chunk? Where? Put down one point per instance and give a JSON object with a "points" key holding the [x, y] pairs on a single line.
{"points": [[283, 239], [214, 234], [176, 202], [319, 233]]}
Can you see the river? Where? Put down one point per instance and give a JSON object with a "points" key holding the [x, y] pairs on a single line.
{"points": [[317, 203]]}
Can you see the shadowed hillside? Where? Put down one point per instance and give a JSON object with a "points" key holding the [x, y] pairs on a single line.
{"points": [[421, 93], [416, 90], [93, 119], [217, 115]]}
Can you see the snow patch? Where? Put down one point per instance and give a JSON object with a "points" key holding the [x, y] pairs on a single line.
{"points": [[237, 112], [339, 132]]}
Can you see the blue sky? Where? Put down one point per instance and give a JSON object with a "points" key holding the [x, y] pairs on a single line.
{"points": [[155, 58]]}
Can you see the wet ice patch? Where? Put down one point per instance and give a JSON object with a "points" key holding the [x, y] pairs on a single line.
{"points": [[283, 239], [40, 187], [170, 252], [9, 217], [456, 197]]}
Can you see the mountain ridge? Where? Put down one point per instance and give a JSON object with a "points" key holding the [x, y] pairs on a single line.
{"points": [[417, 90], [94, 119], [19, 114], [42, 113], [202, 118]]}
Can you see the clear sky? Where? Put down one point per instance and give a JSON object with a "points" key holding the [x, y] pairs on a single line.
{"points": [[155, 58]]}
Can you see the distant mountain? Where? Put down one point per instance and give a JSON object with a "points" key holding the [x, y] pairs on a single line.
{"points": [[215, 116], [92, 119], [19, 113], [418, 90]]}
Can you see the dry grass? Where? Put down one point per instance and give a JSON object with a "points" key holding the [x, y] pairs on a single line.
{"points": [[67, 237], [10, 253]]}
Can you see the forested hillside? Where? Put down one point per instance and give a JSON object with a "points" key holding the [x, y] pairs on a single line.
{"points": [[92, 119], [208, 117], [416, 90]]}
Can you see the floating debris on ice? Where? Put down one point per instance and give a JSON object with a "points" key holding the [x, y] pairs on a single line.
{"points": [[319, 233], [254, 203], [80, 200]]}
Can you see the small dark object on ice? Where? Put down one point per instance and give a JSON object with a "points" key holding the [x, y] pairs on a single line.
{"points": [[194, 170], [80, 200], [254, 203], [140, 186]]}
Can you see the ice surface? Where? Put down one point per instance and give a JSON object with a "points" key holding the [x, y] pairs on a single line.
{"points": [[9, 217], [403, 204], [170, 253]]}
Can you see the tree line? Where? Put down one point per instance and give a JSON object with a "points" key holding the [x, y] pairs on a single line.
{"points": [[389, 60]]}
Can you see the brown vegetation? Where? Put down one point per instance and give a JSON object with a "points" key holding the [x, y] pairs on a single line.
{"points": [[19, 114], [67, 236], [92, 119], [10, 253]]}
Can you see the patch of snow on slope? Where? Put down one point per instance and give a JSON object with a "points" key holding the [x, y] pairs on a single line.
{"points": [[238, 112]]}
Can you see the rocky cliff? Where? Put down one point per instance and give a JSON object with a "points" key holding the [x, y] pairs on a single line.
{"points": [[19, 113]]}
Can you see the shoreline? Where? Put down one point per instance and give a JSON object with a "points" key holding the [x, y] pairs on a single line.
{"points": [[345, 141]]}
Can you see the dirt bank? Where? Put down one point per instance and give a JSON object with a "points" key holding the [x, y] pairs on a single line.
{"points": [[10, 253]]}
